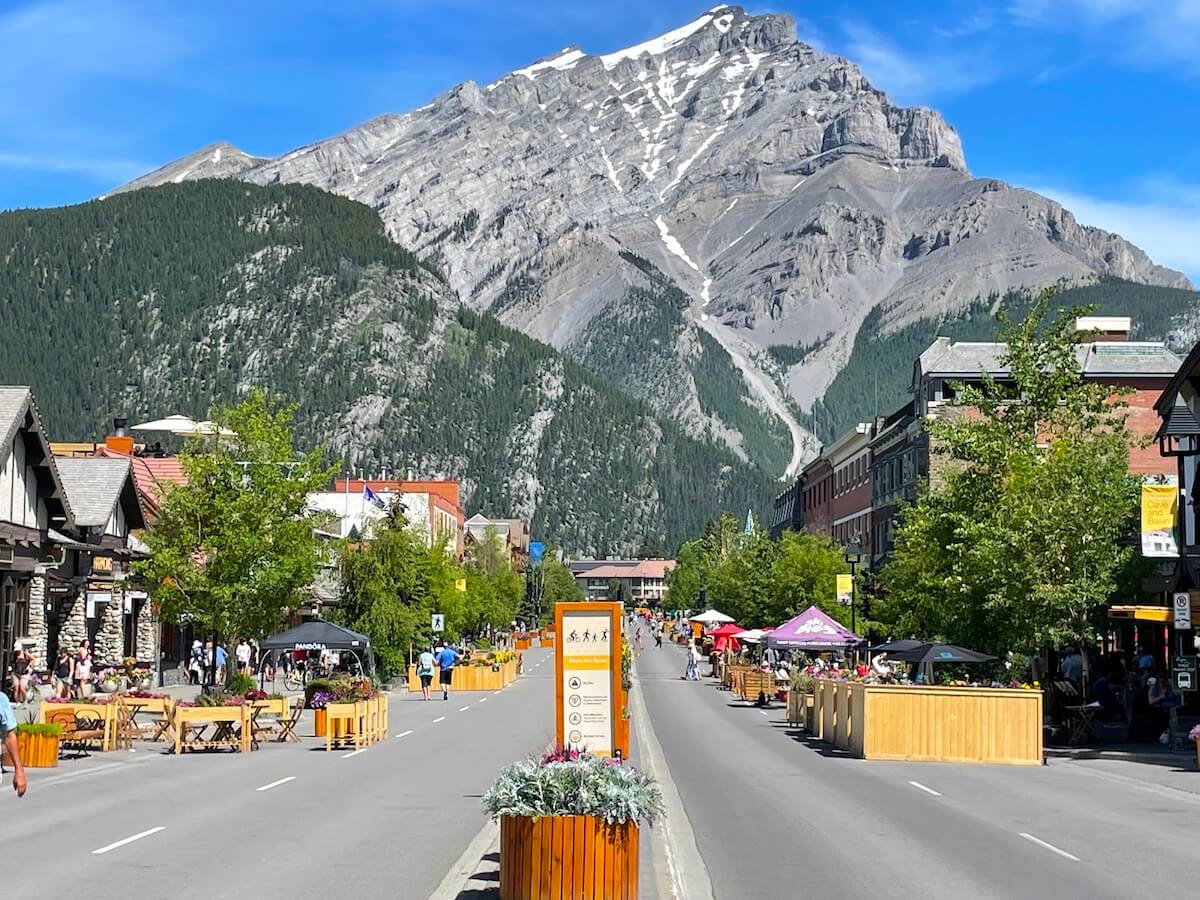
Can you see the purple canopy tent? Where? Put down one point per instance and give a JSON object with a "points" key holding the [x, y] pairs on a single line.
{"points": [[812, 630]]}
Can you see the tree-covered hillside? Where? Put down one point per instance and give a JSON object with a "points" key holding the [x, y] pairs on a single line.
{"points": [[168, 299], [877, 376]]}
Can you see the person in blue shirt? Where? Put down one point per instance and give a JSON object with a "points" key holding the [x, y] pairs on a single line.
{"points": [[8, 737], [446, 658]]}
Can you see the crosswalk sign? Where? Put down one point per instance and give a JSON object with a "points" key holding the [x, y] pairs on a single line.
{"points": [[437, 622]]}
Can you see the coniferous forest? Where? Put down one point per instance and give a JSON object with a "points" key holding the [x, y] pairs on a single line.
{"points": [[171, 299]]}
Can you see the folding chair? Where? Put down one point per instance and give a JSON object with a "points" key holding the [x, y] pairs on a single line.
{"points": [[287, 726]]}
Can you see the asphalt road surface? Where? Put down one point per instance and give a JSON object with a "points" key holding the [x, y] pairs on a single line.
{"points": [[775, 816], [287, 821]]}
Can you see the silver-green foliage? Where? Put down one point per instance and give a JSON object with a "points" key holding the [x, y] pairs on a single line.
{"points": [[587, 786]]}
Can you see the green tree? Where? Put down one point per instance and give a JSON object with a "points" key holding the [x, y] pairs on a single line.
{"points": [[558, 583], [392, 583], [233, 549], [803, 573], [1019, 548]]}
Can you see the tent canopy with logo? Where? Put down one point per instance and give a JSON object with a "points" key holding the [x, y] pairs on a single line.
{"points": [[812, 630], [319, 635]]}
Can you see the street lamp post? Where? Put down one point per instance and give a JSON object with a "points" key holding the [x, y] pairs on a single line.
{"points": [[854, 557]]}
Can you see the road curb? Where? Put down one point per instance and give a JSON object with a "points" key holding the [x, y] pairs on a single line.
{"points": [[687, 876], [470, 862]]}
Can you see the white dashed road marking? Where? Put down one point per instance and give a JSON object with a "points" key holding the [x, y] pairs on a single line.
{"points": [[439, 719], [129, 840], [274, 784], [404, 733], [1063, 853], [921, 787]]}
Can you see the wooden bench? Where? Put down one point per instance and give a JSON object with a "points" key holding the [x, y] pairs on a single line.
{"points": [[80, 728]]}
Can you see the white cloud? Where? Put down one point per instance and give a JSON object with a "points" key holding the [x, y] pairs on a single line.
{"points": [[108, 171], [1163, 221], [917, 78], [1155, 34]]}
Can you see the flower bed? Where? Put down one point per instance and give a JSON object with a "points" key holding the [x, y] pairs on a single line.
{"points": [[569, 826], [488, 673]]}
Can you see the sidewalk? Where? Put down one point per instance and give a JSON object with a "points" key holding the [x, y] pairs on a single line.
{"points": [[1148, 753]]}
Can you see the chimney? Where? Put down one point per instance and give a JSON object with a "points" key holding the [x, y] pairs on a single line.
{"points": [[1106, 328], [120, 441]]}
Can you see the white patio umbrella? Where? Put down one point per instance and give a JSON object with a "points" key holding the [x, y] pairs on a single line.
{"points": [[750, 636], [183, 426], [176, 424], [711, 617]]}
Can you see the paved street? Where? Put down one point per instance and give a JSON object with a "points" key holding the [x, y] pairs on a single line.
{"points": [[389, 821], [775, 816]]}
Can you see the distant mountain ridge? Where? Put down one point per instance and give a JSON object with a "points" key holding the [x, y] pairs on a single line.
{"points": [[773, 185]]}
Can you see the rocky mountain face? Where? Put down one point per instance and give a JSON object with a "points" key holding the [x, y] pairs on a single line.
{"points": [[175, 298], [715, 191]]}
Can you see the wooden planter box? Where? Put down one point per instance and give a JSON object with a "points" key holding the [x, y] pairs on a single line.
{"points": [[546, 641], [933, 724], [522, 643], [567, 858], [320, 722], [468, 678], [38, 751]]}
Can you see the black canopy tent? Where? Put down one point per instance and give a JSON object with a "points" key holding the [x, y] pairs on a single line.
{"points": [[321, 635]]}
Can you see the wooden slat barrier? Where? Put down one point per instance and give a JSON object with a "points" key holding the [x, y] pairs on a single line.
{"points": [[931, 724], [105, 712], [469, 678], [567, 858]]}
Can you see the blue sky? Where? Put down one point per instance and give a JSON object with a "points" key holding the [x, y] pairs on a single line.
{"points": [[1095, 102]]}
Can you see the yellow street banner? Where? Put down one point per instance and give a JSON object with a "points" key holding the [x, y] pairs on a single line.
{"points": [[845, 589], [1160, 508]]}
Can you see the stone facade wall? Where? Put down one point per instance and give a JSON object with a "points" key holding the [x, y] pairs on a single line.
{"points": [[110, 639], [37, 619], [74, 627], [146, 644]]}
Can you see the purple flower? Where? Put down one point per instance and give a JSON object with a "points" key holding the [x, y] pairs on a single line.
{"points": [[320, 699]]}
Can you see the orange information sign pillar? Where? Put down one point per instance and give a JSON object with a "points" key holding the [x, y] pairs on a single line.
{"points": [[588, 697]]}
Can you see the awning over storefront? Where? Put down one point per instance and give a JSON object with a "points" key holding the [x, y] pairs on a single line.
{"points": [[1141, 613]]}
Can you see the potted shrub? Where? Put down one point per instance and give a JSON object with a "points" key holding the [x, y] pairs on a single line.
{"points": [[38, 743], [108, 680], [317, 703], [571, 800], [315, 686]]}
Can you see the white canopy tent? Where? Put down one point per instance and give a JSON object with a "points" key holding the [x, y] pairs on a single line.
{"points": [[711, 617]]}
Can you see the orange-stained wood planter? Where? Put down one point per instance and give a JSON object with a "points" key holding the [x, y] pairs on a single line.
{"points": [[567, 858], [38, 751], [320, 722]]}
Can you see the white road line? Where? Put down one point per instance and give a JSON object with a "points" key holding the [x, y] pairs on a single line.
{"points": [[275, 784], [129, 840], [1050, 847], [483, 700], [762, 712], [499, 691], [464, 709], [921, 787], [439, 719], [404, 733], [354, 752]]}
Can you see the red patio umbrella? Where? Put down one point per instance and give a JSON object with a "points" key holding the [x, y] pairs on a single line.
{"points": [[726, 631]]}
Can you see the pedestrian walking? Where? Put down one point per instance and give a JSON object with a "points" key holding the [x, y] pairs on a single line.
{"points": [[658, 636], [8, 737], [64, 666], [425, 671], [637, 640], [242, 652], [196, 662], [693, 661], [446, 658], [22, 676], [82, 673]]}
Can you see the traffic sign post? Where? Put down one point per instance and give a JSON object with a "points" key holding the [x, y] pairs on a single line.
{"points": [[1182, 603]]}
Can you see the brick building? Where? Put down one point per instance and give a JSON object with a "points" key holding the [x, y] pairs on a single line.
{"points": [[850, 508]]}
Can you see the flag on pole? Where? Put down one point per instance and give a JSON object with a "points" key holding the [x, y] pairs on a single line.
{"points": [[371, 497]]}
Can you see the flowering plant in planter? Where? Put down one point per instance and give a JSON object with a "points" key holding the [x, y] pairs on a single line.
{"points": [[256, 695], [1194, 734], [320, 699], [567, 782]]}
